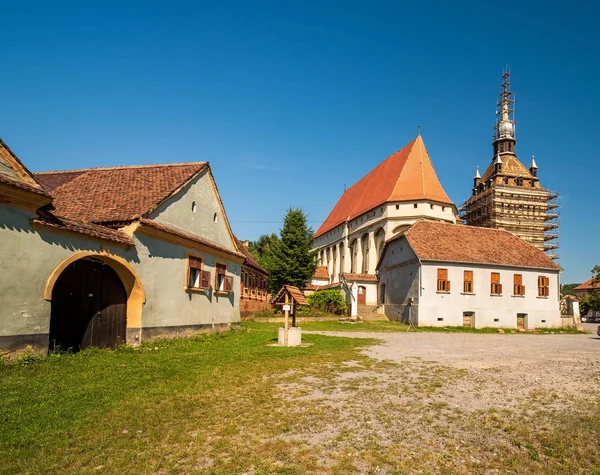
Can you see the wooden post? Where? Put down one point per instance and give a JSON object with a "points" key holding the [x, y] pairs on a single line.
{"points": [[287, 316]]}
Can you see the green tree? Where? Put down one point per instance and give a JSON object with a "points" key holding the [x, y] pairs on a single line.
{"points": [[261, 249], [567, 289], [330, 300], [289, 259], [591, 301]]}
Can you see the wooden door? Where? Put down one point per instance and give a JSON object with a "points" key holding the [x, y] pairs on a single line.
{"points": [[468, 319], [521, 321], [89, 307], [362, 295]]}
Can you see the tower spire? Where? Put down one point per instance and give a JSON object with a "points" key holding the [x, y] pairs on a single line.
{"points": [[504, 129]]}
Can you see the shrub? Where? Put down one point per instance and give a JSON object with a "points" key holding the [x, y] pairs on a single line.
{"points": [[330, 300]]}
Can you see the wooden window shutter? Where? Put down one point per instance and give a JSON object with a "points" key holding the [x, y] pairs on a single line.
{"points": [[194, 262], [495, 278], [205, 284], [229, 284], [442, 274]]}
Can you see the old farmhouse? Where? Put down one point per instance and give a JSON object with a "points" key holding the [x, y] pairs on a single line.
{"points": [[441, 274], [95, 257]]}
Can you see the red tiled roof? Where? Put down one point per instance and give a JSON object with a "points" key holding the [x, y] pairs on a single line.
{"points": [[186, 235], [588, 285], [437, 241], [295, 293], [321, 273], [351, 276], [73, 225], [115, 194], [249, 261], [406, 175]]}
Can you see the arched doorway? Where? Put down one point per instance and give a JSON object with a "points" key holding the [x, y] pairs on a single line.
{"points": [[89, 306]]}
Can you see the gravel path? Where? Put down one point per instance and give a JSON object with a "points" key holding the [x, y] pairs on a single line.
{"points": [[472, 350]]}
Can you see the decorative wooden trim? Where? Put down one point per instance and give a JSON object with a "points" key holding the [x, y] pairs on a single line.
{"points": [[23, 199], [19, 169], [189, 243]]}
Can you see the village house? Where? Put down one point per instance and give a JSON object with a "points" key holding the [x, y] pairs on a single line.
{"points": [[254, 294], [401, 190], [440, 274], [100, 256]]}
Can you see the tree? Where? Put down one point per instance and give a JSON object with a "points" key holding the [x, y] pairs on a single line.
{"points": [[289, 259], [262, 248], [591, 301]]}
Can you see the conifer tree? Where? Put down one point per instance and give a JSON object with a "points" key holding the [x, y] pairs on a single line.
{"points": [[290, 260]]}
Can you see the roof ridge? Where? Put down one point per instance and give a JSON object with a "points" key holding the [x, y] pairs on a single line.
{"points": [[120, 167]]}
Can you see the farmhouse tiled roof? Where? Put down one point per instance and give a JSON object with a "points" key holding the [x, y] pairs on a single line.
{"points": [[191, 237], [249, 258], [103, 195], [352, 276], [321, 273], [406, 175], [588, 285], [314, 287], [88, 229], [444, 242]]}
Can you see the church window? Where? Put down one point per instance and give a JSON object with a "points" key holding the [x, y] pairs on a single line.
{"points": [[443, 284]]}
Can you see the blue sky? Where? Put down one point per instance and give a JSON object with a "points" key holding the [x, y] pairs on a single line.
{"points": [[289, 101]]}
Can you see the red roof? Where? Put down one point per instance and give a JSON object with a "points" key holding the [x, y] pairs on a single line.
{"points": [[321, 273], [406, 175], [588, 285], [444, 242], [249, 261], [76, 226], [351, 276], [103, 195]]}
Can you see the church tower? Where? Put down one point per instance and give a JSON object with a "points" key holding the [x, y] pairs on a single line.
{"points": [[509, 196]]}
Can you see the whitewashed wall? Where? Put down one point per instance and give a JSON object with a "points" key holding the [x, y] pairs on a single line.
{"points": [[490, 310]]}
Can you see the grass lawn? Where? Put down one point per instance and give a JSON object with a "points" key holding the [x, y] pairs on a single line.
{"points": [[229, 404], [207, 403]]}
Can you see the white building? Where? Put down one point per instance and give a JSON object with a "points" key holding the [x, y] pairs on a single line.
{"points": [[402, 189], [452, 275]]}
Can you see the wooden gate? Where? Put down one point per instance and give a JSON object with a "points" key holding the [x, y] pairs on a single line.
{"points": [[89, 307], [521, 324], [362, 295]]}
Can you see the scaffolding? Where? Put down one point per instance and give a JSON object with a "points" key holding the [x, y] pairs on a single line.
{"points": [[531, 214]]}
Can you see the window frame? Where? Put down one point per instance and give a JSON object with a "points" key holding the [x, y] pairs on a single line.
{"points": [[466, 281], [443, 284], [543, 286], [203, 276], [495, 287], [518, 287]]}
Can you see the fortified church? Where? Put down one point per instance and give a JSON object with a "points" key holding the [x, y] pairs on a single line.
{"points": [[394, 241]]}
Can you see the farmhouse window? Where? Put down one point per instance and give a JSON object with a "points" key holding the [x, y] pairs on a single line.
{"points": [[197, 278], [543, 286], [443, 284], [221, 278], [496, 288], [519, 288], [468, 285]]}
